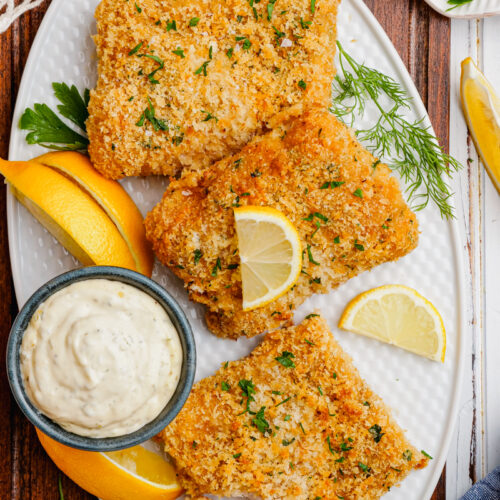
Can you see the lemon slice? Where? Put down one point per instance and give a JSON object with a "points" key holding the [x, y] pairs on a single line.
{"points": [[481, 108], [400, 316], [69, 213], [270, 254], [131, 474], [112, 198]]}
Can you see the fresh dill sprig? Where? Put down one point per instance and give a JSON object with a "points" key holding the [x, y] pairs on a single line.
{"points": [[409, 146], [457, 3]]}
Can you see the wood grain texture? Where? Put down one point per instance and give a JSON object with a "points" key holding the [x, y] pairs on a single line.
{"points": [[422, 39]]}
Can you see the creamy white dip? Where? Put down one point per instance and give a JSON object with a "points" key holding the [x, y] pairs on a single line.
{"points": [[100, 358]]}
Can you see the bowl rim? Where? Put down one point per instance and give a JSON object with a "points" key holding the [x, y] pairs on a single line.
{"points": [[54, 430]]}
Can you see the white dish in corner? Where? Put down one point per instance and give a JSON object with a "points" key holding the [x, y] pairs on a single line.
{"points": [[471, 10]]}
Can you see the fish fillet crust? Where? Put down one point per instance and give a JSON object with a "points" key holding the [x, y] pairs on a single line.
{"points": [[313, 428], [346, 206], [185, 83]]}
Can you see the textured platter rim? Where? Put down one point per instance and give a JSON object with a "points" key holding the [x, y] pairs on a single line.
{"points": [[466, 12], [405, 79]]}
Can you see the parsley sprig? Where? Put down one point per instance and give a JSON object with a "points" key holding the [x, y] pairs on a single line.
{"points": [[48, 130], [457, 3], [410, 146]]}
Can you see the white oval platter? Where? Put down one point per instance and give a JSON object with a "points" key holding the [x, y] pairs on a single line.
{"points": [[422, 394], [473, 9]]}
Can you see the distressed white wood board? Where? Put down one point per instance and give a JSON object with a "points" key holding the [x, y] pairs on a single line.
{"points": [[475, 448], [422, 394], [474, 9]]}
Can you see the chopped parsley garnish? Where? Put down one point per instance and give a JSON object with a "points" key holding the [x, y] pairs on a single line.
{"points": [[313, 6], [407, 455], [312, 315], [137, 8], [358, 246], [336, 240], [332, 184], [283, 402], [233, 266], [302, 84], [149, 115], [310, 256], [194, 21], [226, 364], [302, 428], [307, 341], [136, 49], [203, 68], [286, 359], [247, 388], [287, 418], [177, 139], [278, 34], [179, 52], [363, 467], [320, 390], [197, 255], [376, 432], [287, 442], [209, 117], [194, 445], [305, 24], [332, 451], [229, 52], [260, 422], [225, 386], [358, 193], [425, 454], [171, 25], [270, 8], [334, 375], [256, 173], [345, 447], [217, 267], [384, 226], [237, 455], [246, 42]]}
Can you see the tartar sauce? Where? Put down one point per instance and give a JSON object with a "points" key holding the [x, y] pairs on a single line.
{"points": [[101, 358]]}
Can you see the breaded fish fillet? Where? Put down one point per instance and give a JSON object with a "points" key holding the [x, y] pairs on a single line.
{"points": [[294, 420], [346, 206], [185, 83]]}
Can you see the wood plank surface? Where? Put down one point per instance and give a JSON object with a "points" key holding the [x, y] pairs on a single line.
{"points": [[422, 39]]}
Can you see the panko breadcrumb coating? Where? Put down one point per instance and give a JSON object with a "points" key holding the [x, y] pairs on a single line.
{"points": [[185, 83], [346, 206], [294, 420]]}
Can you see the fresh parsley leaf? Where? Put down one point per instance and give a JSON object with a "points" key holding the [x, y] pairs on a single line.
{"points": [[457, 3], [179, 52], [136, 49], [363, 467], [198, 254], [425, 454], [237, 455], [312, 315], [260, 422], [171, 25], [376, 432], [302, 84], [49, 131], [217, 267], [287, 418], [407, 455], [313, 6], [286, 359], [286, 442], [310, 256], [358, 246], [336, 240], [283, 402], [358, 193], [345, 447], [194, 21], [225, 386]]}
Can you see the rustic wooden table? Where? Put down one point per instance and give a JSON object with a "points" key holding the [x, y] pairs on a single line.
{"points": [[422, 38]]}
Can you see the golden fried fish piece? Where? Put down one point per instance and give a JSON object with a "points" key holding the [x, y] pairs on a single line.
{"points": [[293, 420], [185, 83], [345, 204]]}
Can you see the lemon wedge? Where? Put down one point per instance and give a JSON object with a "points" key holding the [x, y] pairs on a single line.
{"points": [[112, 198], [481, 108], [270, 254], [69, 213], [131, 474], [400, 316]]}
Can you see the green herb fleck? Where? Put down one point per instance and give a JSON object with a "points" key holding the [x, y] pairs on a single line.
{"points": [[194, 21], [229, 52], [237, 455], [287, 418], [216, 268], [425, 454], [358, 246], [310, 256], [358, 193], [225, 386], [286, 359], [197, 255], [137, 8], [376, 432], [136, 49], [407, 455], [302, 84], [313, 6], [179, 52], [171, 25], [312, 315], [260, 422]]}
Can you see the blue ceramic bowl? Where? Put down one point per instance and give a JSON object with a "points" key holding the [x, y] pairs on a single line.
{"points": [[172, 408]]}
